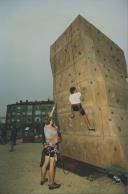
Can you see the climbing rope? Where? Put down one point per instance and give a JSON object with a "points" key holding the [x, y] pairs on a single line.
{"points": [[67, 37], [77, 84]]}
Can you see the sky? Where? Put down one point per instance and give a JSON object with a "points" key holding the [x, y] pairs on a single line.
{"points": [[29, 27]]}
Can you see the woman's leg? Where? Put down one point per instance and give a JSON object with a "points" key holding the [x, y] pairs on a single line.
{"points": [[83, 113], [44, 167], [72, 113], [52, 171]]}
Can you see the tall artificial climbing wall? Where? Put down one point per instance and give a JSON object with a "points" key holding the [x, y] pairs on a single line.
{"points": [[85, 58]]}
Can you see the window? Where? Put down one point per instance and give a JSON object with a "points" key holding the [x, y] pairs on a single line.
{"points": [[29, 113], [18, 107], [37, 112], [37, 119], [29, 107]]}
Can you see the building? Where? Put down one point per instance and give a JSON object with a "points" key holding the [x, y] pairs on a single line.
{"points": [[3, 134], [86, 58], [2, 120], [27, 114]]}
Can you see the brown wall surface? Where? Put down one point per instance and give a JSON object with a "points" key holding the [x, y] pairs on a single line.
{"points": [[85, 58]]}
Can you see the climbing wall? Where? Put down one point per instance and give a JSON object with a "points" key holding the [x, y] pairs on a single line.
{"points": [[85, 58]]}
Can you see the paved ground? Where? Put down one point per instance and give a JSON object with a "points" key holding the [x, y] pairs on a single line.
{"points": [[20, 174]]}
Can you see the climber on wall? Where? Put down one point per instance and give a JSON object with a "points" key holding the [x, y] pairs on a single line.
{"points": [[74, 99]]}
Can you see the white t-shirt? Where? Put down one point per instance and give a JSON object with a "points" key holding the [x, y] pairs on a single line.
{"points": [[75, 98]]}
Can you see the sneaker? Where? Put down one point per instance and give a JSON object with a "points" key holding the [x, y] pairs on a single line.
{"points": [[91, 129], [116, 179], [54, 186], [43, 181]]}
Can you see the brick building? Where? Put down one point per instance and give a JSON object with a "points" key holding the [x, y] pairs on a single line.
{"points": [[23, 114]]}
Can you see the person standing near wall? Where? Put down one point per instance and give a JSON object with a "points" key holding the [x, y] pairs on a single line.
{"points": [[13, 138], [50, 154]]}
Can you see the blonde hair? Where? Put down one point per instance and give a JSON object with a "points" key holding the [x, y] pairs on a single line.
{"points": [[47, 121]]}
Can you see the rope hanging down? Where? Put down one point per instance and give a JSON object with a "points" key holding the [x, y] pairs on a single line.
{"points": [[68, 40], [87, 122]]}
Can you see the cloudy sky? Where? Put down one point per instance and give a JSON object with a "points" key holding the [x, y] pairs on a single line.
{"points": [[29, 27]]}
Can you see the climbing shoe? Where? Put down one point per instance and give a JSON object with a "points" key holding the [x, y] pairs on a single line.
{"points": [[91, 129], [43, 181], [54, 186], [116, 179]]}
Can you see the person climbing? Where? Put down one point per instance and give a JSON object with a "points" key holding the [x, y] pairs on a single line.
{"points": [[49, 154], [75, 101]]}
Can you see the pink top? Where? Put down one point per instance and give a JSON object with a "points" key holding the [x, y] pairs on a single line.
{"points": [[51, 135]]}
